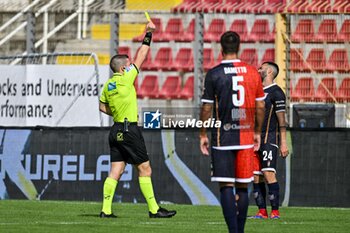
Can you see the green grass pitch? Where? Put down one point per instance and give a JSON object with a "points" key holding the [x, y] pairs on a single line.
{"points": [[64, 216]]}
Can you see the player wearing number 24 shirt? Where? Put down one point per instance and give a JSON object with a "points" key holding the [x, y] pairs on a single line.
{"points": [[233, 94]]}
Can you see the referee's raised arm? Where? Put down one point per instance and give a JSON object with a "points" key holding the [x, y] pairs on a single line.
{"points": [[142, 54]]}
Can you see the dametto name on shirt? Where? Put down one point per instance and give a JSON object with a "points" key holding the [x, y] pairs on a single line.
{"points": [[235, 70]]}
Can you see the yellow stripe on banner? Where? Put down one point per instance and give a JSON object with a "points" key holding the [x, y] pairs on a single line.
{"points": [[151, 4], [126, 31]]}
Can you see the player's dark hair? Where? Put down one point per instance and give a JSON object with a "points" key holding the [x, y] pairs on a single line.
{"points": [[230, 42], [274, 67], [118, 61]]}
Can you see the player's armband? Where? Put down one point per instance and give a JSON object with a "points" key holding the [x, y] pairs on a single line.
{"points": [[147, 39]]}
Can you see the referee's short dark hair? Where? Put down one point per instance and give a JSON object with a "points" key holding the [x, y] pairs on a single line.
{"points": [[274, 67], [118, 61], [230, 42]]}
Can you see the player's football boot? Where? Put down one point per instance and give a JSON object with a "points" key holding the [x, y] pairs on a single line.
{"points": [[103, 215], [262, 214], [275, 214], [162, 213]]}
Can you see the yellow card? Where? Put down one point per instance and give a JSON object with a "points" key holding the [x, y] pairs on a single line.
{"points": [[147, 16]]}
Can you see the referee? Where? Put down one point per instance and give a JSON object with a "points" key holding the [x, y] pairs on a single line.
{"points": [[118, 99]]}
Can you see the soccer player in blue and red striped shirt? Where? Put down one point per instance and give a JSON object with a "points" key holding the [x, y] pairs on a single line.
{"points": [[234, 95]]}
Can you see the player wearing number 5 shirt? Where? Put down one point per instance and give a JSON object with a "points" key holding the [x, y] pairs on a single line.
{"points": [[233, 94]]}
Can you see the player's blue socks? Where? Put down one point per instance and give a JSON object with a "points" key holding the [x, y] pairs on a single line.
{"points": [[229, 209], [274, 195], [260, 195], [242, 205]]}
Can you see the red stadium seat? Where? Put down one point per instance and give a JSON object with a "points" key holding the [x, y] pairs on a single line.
{"points": [[296, 60], [147, 64], [163, 59], [149, 87], [269, 55], [326, 90], [184, 60], [297, 6], [253, 6], [341, 6], [250, 56], [327, 31], [125, 50], [174, 29], [187, 91], [188, 35], [157, 34], [210, 5], [229, 6], [304, 31], [338, 61], [317, 60], [344, 33], [343, 93], [216, 29], [304, 90], [273, 6], [240, 26], [319, 6], [260, 31], [188, 6], [208, 59], [171, 88]]}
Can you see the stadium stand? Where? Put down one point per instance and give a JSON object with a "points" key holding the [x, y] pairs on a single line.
{"points": [[174, 30], [208, 59], [184, 60], [188, 35], [344, 33], [149, 87], [250, 56], [260, 31], [269, 55], [326, 90], [296, 60], [317, 60], [240, 26], [163, 59], [343, 93], [171, 88], [187, 91], [341, 6], [327, 31], [273, 6], [216, 29], [304, 31], [304, 90], [338, 61]]}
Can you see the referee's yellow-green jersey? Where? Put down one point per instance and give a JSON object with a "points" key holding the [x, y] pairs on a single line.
{"points": [[120, 95]]}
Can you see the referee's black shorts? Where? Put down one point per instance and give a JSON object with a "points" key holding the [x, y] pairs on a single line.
{"points": [[127, 146]]}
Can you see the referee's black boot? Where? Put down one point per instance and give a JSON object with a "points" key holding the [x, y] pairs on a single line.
{"points": [[103, 215], [162, 213]]}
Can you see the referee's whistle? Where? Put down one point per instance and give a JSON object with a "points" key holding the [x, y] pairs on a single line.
{"points": [[126, 123]]}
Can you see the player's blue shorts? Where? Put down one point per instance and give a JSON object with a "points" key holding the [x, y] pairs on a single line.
{"points": [[266, 158]]}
